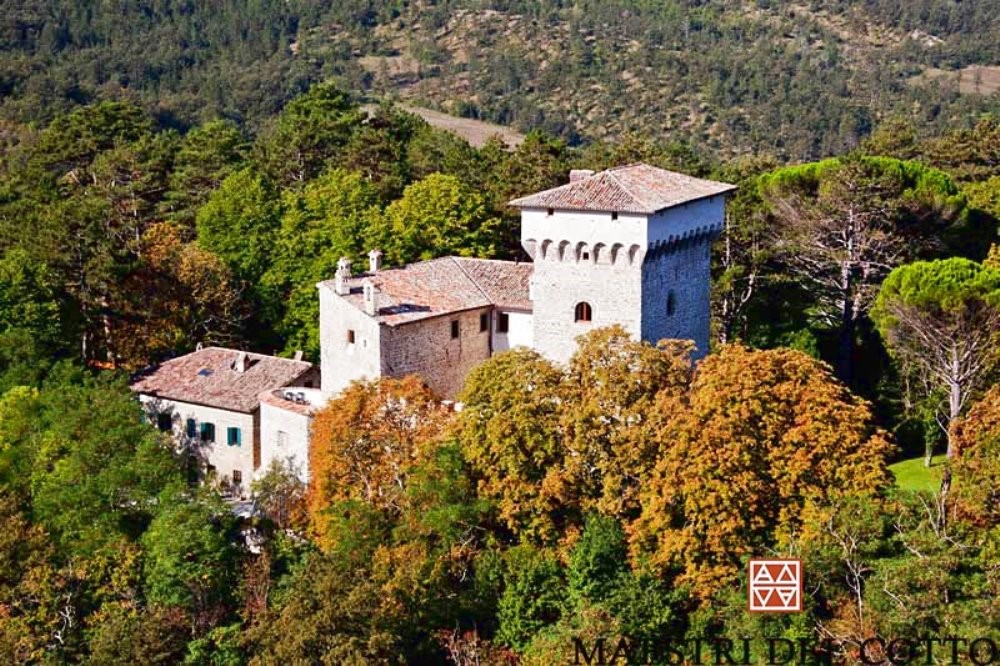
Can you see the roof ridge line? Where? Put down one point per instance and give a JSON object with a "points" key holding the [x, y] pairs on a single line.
{"points": [[627, 190], [471, 279]]}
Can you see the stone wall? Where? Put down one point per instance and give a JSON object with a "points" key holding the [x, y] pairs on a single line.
{"points": [[520, 331], [627, 267], [613, 291], [341, 361], [686, 221], [291, 448], [675, 293], [224, 458], [426, 348]]}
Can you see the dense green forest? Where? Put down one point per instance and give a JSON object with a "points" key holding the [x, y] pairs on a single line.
{"points": [[802, 80]]}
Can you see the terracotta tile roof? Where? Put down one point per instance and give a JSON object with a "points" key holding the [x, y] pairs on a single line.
{"points": [[636, 188], [208, 377], [505, 283], [441, 286]]}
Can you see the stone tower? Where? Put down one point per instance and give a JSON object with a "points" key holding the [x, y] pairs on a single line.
{"points": [[630, 246]]}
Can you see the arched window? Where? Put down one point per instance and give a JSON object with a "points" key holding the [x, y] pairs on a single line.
{"points": [[583, 312], [671, 304]]}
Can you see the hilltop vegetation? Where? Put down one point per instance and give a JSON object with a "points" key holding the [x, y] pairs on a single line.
{"points": [[800, 80], [197, 192]]}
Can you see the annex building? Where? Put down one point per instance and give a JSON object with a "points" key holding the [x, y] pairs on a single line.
{"points": [[630, 246]]}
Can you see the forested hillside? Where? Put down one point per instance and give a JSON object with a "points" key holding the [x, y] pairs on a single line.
{"points": [[172, 174], [800, 80]]}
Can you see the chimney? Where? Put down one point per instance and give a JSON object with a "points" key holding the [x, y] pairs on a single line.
{"points": [[341, 277], [374, 261], [198, 347], [580, 174], [240, 364], [298, 355], [371, 298]]}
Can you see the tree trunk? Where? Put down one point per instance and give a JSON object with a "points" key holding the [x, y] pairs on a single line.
{"points": [[845, 350], [954, 399]]}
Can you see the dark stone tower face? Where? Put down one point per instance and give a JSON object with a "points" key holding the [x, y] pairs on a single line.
{"points": [[676, 273]]}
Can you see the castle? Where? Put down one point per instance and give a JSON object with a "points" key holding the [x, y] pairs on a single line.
{"points": [[630, 246]]}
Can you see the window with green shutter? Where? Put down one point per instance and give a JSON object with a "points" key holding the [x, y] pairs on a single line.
{"points": [[192, 428], [233, 436], [208, 432]]}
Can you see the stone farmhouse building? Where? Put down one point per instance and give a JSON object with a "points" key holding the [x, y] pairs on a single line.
{"points": [[210, 400], [630, 246]]}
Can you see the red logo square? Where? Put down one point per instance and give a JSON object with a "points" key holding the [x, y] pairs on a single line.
{"points": [[775, 586]]}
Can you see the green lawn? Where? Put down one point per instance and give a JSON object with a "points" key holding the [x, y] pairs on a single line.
{"points": [[912, 475]]}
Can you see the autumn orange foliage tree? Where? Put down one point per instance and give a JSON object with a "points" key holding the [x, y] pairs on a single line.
{"points": [[981, 423], [609, 415], [759, 435], [365, 444], [178, 295], [977, 467], [509, 434], [547, 445]]}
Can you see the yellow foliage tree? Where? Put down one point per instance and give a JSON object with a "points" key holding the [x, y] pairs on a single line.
{"points": [[759, 436], [993, 258], [509, 434], [548, 445], [609, 414], [365, 443]]}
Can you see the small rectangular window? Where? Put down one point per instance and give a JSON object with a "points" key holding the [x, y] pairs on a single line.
{"points": [[233, 436], [165, 422], [237, 477], [350, 336], [614, 215], [192, 428], [503, 323], [454, 329], [484, 322], [282, 439], [550, 212], [208, 432]]}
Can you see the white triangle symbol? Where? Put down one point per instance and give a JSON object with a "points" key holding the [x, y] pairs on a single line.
{"points": [[763, 597], [763, 575], [786, 596], [786, 575]]}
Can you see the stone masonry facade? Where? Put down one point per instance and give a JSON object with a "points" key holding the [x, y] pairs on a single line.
{"points": [[611, 286], [675, 293], [428, 348], [629, 246]]}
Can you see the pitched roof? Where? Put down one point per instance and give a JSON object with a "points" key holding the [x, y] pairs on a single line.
{"points": [[635, 188], [208, 377], [504, 283], [441, 286]]}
